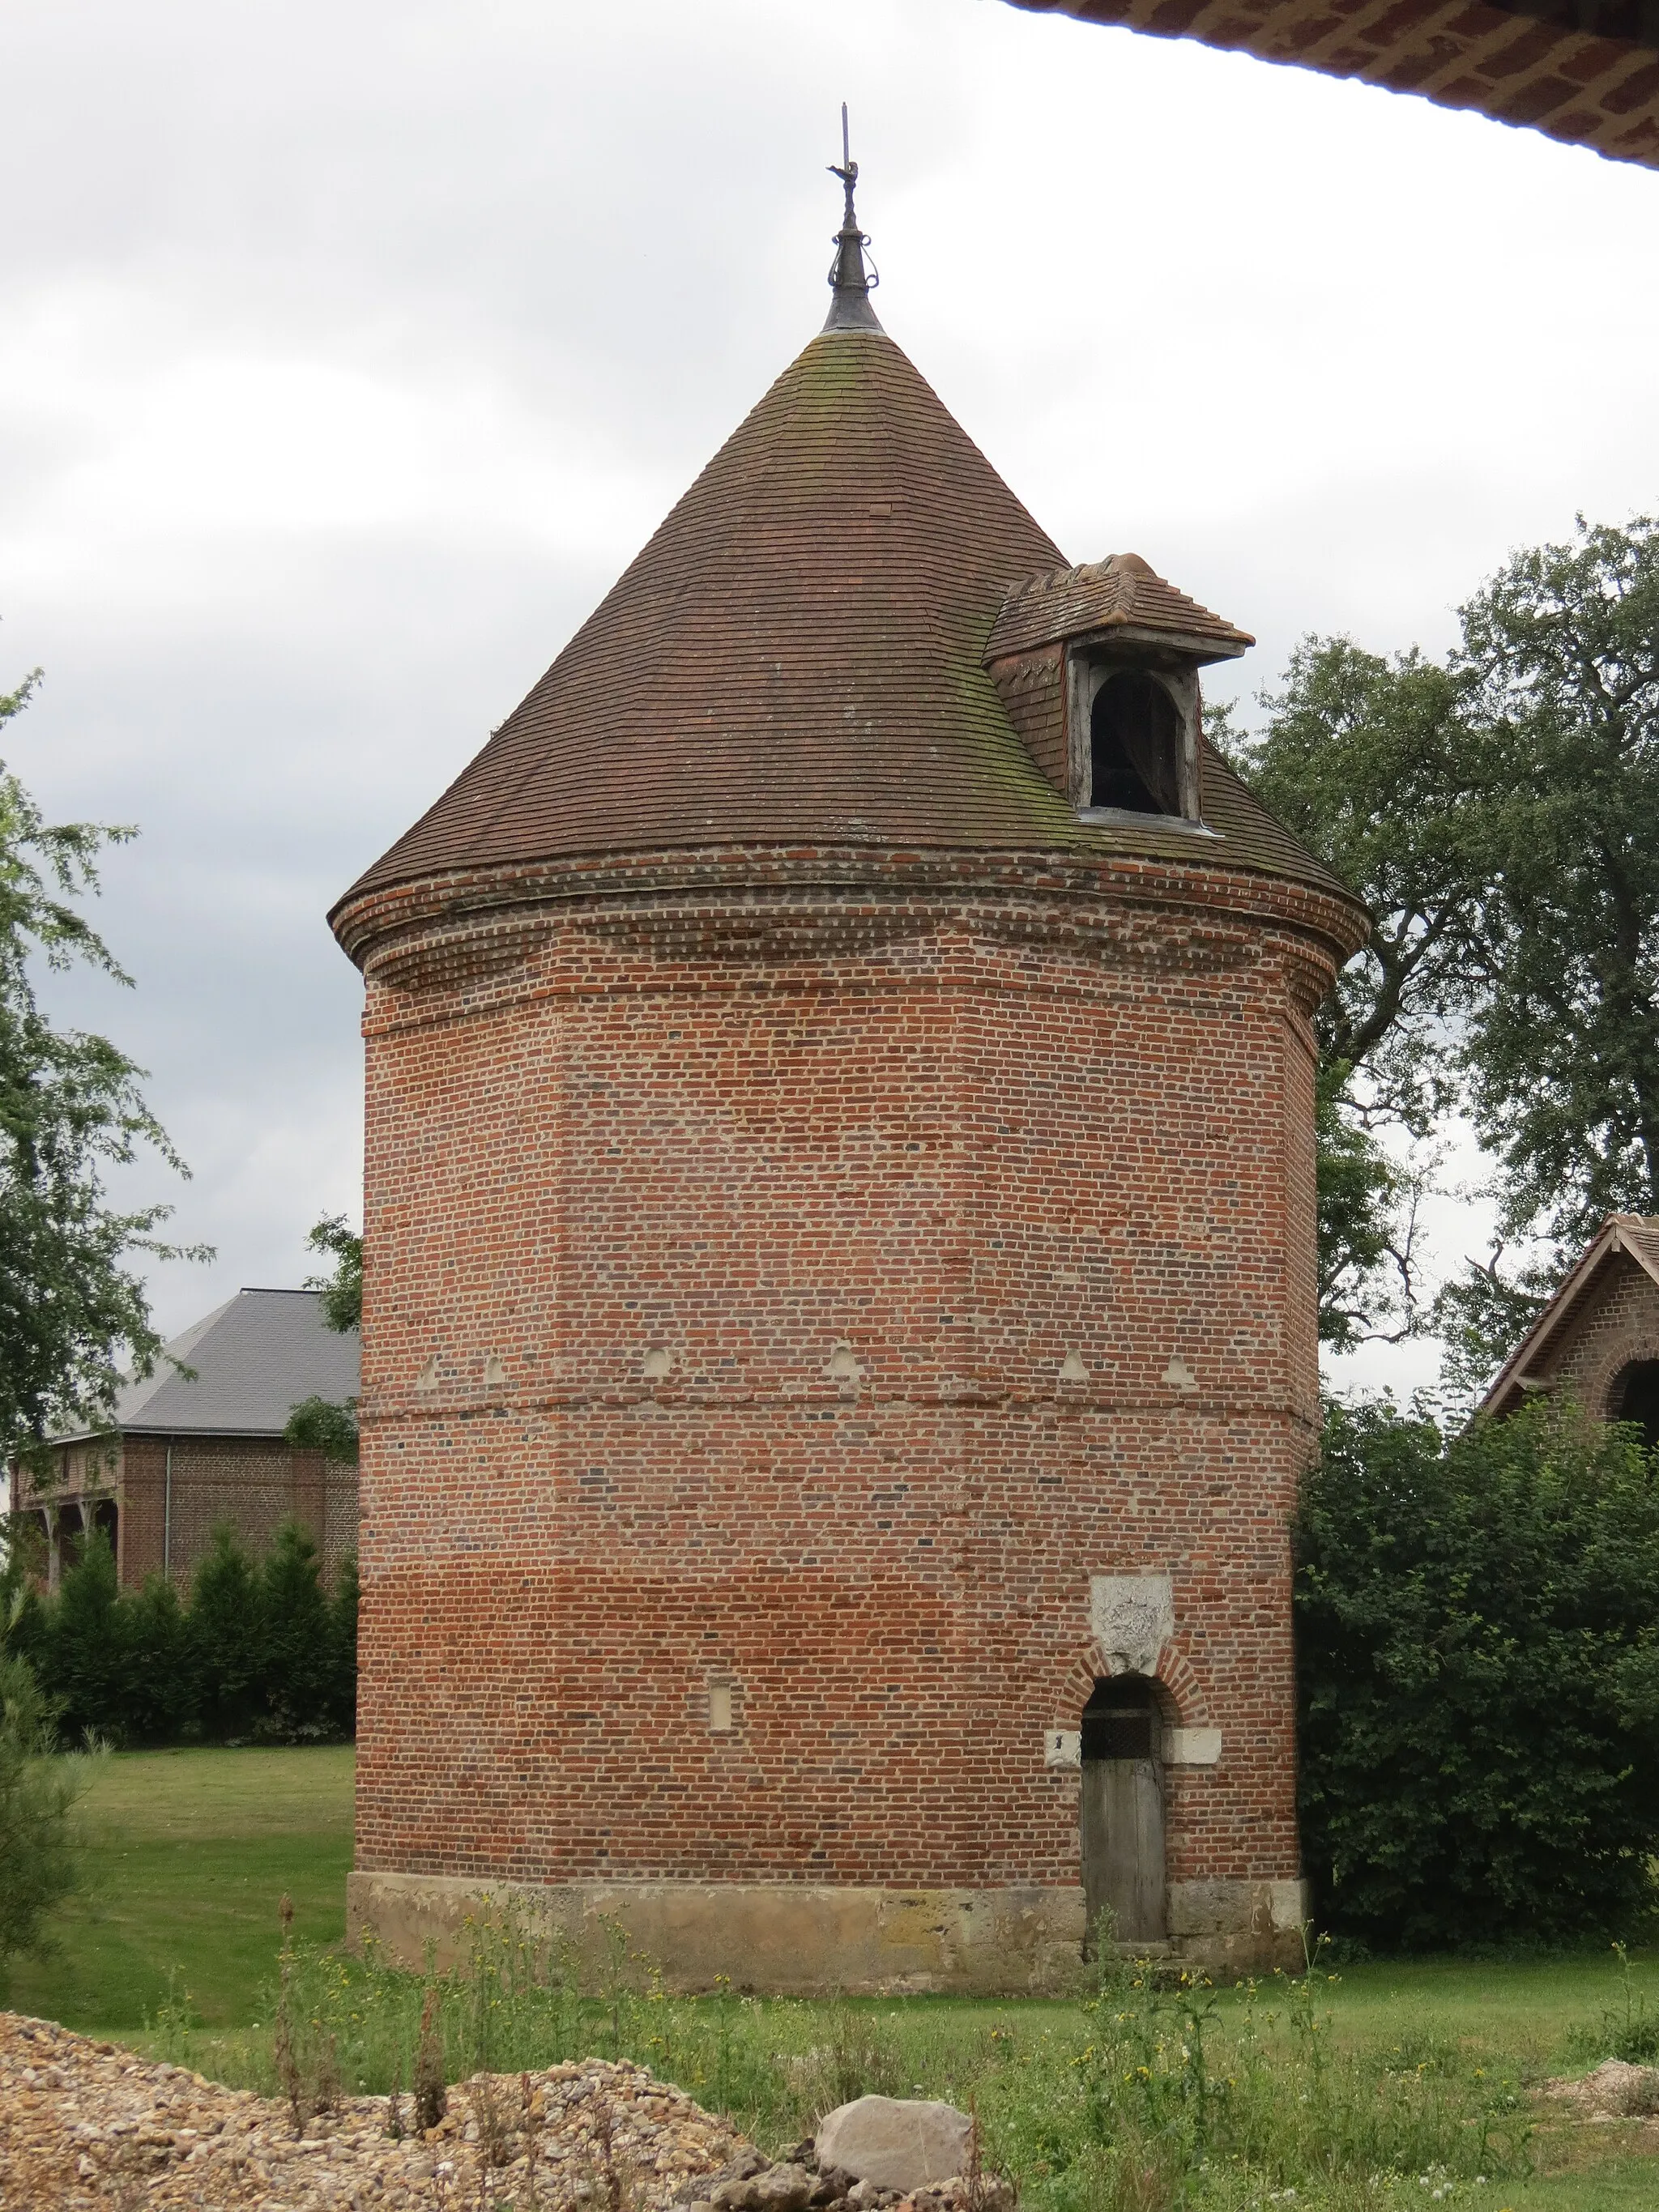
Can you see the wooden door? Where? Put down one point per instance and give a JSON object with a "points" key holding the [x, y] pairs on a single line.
{"points": [[1122, 1812]]}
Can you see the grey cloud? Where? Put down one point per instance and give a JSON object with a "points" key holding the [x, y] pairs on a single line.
{"points": [[489, 284]]}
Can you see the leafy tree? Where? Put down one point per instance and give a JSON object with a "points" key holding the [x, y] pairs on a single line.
{"points": [[1478, 1657], [73, 1315], [1367, 760], [1364, 759], [1481, 1314], [1560, 1048], [342, 1288], [1560, 656], [319, 1425], [1361, 1237], [1496, 816]]}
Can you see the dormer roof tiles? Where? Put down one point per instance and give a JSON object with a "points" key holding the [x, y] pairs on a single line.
{"points": [[1124, 594]]}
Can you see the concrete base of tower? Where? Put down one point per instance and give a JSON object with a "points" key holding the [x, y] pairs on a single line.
{"points": [[802, 1939]]}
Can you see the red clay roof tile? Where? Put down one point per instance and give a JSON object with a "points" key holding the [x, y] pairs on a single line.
{"points": [[1124, 593]]}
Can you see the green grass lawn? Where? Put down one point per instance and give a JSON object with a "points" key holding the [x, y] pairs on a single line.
{"points": [[192, 1850]]}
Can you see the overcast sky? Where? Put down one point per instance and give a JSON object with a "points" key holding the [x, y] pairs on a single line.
{"points": [[348, 351]]}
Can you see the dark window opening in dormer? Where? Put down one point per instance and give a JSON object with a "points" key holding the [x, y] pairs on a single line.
{"points": [[1134, 745]]}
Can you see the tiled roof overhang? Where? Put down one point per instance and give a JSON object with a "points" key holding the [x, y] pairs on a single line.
{"points": [[1584, 71]]}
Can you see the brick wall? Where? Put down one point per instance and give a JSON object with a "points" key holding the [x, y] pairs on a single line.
{"points": [[725, 1251], [255, 1484]]}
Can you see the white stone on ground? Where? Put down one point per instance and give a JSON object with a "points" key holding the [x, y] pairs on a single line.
{"points": [[896, 2142]]}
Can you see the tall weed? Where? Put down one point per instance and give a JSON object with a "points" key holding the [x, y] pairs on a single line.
{"points": [[1155, 2093], [1627, 2029]]}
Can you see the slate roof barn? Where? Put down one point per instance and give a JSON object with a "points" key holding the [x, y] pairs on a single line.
{"points": [[190, 1448]]}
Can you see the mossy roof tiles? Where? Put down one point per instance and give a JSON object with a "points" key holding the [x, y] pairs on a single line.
{"points": [[797, 657]]}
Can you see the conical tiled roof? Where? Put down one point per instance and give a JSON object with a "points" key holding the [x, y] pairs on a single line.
{"points": [[797, 657], [795, 654]]}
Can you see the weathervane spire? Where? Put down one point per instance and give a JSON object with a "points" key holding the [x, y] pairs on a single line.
{"points": [[850, 309]]}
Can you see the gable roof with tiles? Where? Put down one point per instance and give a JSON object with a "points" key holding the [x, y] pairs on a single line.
{"points": [[1627, 1236]]}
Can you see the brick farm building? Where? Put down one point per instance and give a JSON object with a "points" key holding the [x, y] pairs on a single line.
{"points": [[1597, 1339], [201, 1442], [839, 1332]]}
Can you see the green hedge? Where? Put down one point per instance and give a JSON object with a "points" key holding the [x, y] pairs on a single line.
{"points": [[260, 1652], [1478, 1651]]}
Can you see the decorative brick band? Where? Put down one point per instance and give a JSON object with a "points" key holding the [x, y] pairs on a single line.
{"points": [[404, 933]]}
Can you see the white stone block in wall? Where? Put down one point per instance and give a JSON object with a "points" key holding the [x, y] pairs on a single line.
{"points": [[1063, 1747], [1192, 1747], [1132, 1617], [1289, 1903]]}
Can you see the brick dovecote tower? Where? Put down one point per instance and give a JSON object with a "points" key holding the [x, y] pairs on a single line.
{"points": [[839, 1339]]}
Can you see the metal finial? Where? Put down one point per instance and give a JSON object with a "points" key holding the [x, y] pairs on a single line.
{"points": [[849, 174], [850, 309]]}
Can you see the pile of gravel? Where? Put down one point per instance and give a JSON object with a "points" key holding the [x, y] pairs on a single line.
{"points": [[86, 2125], [1612, 2091]]}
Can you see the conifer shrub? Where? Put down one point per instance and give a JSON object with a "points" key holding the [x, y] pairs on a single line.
{"points": [[261, 1652], [298, 1637], [343, 1631], [78, 1654], [225, 1640], [1477, 1618], [156, 1701], [39, 1788]]}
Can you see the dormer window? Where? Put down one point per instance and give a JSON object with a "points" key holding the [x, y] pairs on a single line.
{"points": [[1134, 745], [1133, 721], [1098, 668]]}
